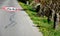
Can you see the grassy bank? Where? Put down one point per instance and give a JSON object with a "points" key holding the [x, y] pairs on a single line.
{"points": [[41, 22]]}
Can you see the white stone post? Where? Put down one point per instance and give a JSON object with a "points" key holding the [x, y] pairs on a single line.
{"points": [[27, 2]]}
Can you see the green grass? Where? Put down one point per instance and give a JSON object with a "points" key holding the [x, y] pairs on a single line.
{"points": [[41, 22]]}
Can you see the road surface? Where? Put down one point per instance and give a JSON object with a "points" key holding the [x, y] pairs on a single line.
{"points": [[15, 23]]}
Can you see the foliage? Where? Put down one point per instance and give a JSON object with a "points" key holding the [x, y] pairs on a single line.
{"points": [[41, 22], [24, 1]]}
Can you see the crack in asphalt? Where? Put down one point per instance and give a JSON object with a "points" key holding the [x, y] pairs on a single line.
{"points": [[12, 20]]}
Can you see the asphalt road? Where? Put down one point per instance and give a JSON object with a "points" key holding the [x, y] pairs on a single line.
{"points": [[15, 23]]}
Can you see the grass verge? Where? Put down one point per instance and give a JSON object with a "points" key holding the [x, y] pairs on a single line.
{"points": [[41, 22]]}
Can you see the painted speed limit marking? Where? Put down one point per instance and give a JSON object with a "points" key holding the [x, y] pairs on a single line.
{"points": [[10, 9]]}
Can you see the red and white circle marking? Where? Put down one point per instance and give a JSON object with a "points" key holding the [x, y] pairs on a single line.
{"points": [[12, 9]]}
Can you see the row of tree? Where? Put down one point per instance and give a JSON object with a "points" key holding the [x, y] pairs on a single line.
{"points": [[49, 8]]}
